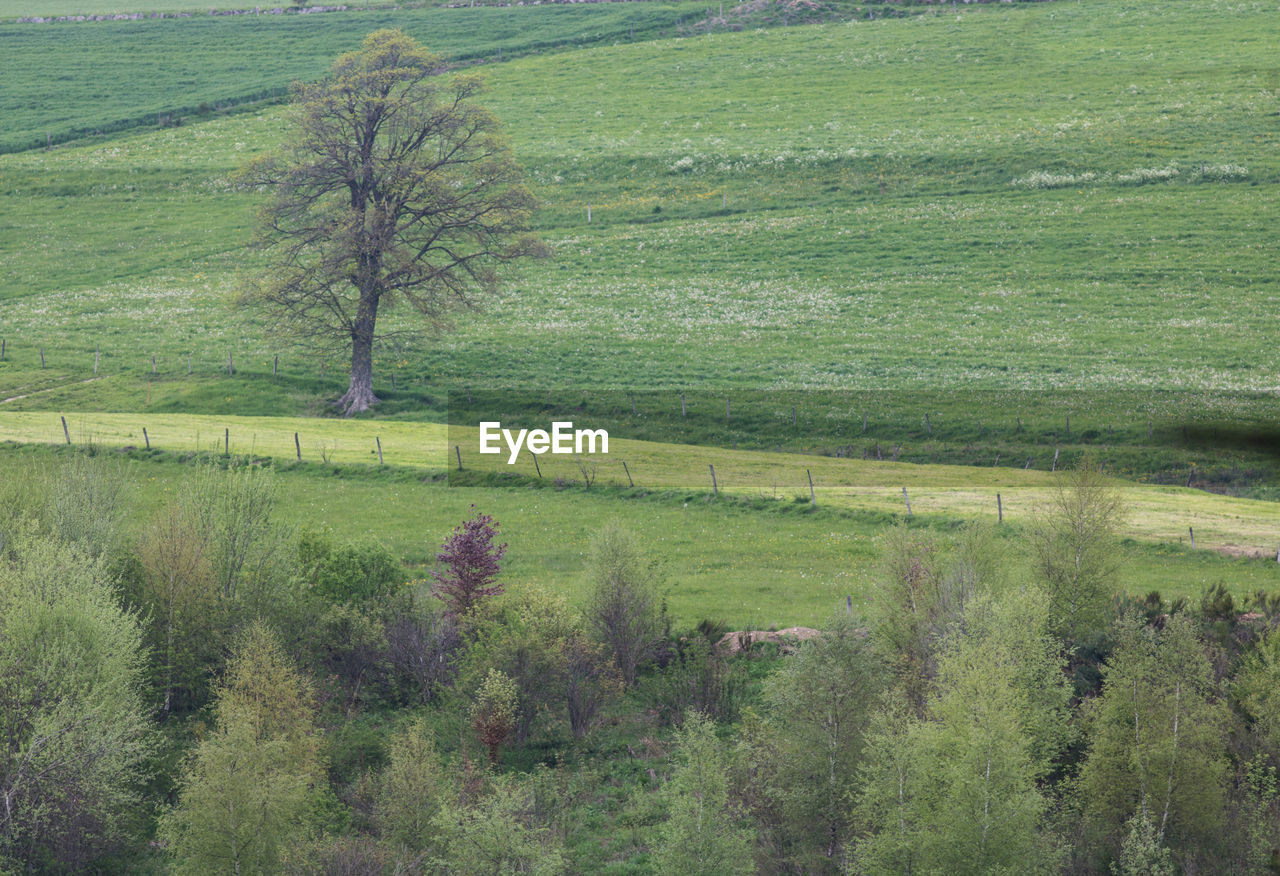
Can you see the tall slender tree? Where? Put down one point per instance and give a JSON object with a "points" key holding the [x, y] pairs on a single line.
{"points": [[1159, 740], [252, 783], [395, 187]]}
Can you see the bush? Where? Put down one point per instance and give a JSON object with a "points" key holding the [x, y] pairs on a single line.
{"points": [[624, 608], [346, 573], [469, 565]]}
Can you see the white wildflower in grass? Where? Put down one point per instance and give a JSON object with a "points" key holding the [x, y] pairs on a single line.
{"points": [[1149, 175], [1043, 179], [1223, 172]]}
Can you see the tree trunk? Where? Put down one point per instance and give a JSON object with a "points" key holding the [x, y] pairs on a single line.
{"points": [[360, 395]]}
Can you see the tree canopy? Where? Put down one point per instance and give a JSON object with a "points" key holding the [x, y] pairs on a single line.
{"points": [[395, 188]]}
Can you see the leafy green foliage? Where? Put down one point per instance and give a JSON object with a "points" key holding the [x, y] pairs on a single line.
{"points": [[1258, 819], [73, 729], [253, 784], [85, 503], [412, 789], [1257, 689], [526, 637], [345, 573], [1141, 852], [1157, 740], [493, 711], [625, 609], [702, 833], [957, 791], [210, 558], [806, 750], [1075, 552], [496, 833], [923, 584]]}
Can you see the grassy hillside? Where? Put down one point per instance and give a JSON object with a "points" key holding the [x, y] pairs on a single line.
{"points": [[193, 65], [1159, 513], [730, 558], [753, 567], [739, 235], [877, 205]]}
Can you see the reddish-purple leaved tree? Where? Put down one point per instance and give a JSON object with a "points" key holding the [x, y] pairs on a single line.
{"points": [[469, 563]]}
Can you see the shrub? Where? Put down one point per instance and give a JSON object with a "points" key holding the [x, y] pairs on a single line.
{"points": [[624, 609], [470, 563], [345, 573]]}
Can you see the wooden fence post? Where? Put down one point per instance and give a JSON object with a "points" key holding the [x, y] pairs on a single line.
{"points": [[153, 364], [231, 365], [536, 467], [726, 410], [146, 437], [378, 440], [458, 451], [275, 365], [813, 500], [297, 446], [226, 442], [630, 482], [907, 500], [715, 488], [42, 357], [188, 364], [999, 510], [66, 434], [928, 427], [684, 412], [96, 353], [1191, 530], [1055, 460]]}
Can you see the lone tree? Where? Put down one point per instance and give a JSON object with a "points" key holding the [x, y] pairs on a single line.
{"points": [[395, 188], [469, 565], [1075, 549]]}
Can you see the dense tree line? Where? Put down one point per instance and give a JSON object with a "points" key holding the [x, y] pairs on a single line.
{"points": [[208, 691]]}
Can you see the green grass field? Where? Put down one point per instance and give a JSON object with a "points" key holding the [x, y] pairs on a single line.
{"points": [[1158, 513], [196, 64], [12, 9], [760, 555], [739, 235], [876, 206]]}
